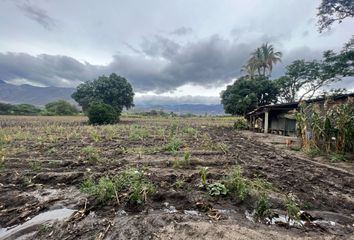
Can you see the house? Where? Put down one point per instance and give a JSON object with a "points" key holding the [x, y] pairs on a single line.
{"points": [[280, 118]]}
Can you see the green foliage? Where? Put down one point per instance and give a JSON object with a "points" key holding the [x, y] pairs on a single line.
{"points": [[262, 60], [20, 109], [217, 189], [35, 165], [190, 131], [245, 94], [328, 129], [114, 90], [263, 207], [237, 184], [174, 145], [185, 162], [203, 176], [91, 154], [138, 133], [61, 108], [180, 183], [331, 11], [261, 185], [174, 127], [101, 113], [337, 157], [240, 124], [309, 77], [130, 184], [293, 209]]}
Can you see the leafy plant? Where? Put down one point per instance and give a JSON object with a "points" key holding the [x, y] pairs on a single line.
{"points": [[337, 157], [190, 131], [293, 209], [185, 162], [237, 184], [217, 189], [174, 145], [263, 207], [180, 183], [203, 176], [240, 124]]}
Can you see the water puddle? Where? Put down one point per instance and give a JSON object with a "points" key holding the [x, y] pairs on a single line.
{"points": [[31, 226]]}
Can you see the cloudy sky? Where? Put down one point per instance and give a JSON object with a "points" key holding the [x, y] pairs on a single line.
{"points": [[184, 49]]}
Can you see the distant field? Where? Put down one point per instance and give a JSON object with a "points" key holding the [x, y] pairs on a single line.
{"points": [[46, 161]]}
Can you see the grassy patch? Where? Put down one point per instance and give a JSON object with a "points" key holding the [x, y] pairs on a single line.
{"points": [[130, 186], [174, 145], [91, 154]]}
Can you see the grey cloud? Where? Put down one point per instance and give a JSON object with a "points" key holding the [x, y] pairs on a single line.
{"points": [[37, 14], [48, 70], [160, 46], [164, 66], [182, 31]]}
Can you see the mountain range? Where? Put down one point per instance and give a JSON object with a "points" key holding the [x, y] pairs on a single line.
{"points": [[39, 96]]}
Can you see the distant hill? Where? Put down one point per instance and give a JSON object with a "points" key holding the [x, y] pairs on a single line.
{"points": [[198, 109], [40, 96]]}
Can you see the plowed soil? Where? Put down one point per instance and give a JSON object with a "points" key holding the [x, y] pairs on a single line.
{"points": [[45, 164]]}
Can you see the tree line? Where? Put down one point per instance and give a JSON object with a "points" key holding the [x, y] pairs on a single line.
{"points": [[55, 108]]}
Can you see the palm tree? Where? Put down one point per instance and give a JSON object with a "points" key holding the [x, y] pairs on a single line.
{"points": [[270, 57], [262, 59]]}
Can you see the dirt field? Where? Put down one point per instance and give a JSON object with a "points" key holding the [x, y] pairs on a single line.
{"points": [[46, 160]]}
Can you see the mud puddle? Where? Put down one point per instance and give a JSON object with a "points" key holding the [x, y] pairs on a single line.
{"points": [[27, 229]]}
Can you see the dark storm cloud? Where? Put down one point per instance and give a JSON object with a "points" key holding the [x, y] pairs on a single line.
{"points": [[37, 14], [182, 31], [161, 65], [48, 70]]}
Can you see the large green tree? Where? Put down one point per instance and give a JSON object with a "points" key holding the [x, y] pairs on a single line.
{"points": [[114, 90], [303, 79], [246, 93], [331, 11]]}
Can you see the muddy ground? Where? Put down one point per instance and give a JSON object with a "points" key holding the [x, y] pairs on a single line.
{"points": [[44, 166]]}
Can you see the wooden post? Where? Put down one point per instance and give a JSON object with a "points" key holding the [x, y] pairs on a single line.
{"points": [[266, 121]]}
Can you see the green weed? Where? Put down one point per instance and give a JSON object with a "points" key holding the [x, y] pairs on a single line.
{"points": [[203, 176], [131, 185], [237, 184], [91, 154], [263, 207]]}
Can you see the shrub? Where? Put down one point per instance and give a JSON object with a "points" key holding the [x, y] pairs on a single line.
{"points": [[61, 108], [217, 189], [240, 124], [293, 209], [263, 207], [237, 184], [101, 113], [131, 185]]}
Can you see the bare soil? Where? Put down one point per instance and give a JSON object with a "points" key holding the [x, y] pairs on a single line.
{"points": [[45, 166]]}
